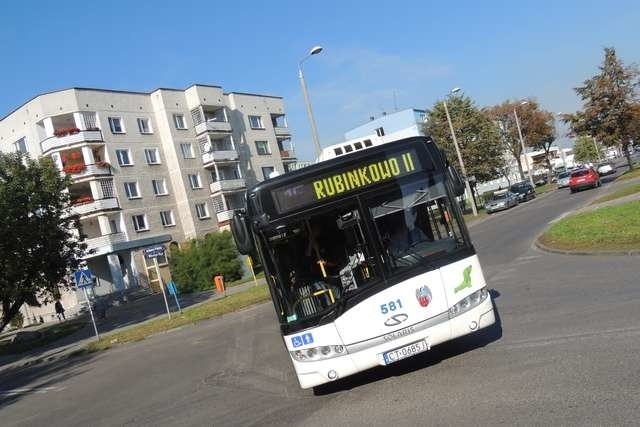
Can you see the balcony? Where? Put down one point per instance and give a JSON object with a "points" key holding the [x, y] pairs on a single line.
{"points": [[93, 206], [219, 156], [287, 154], [225, 215], [73, 136], [213, 126], [282, 131], [79, 171], [227, 185], [104, 244]]}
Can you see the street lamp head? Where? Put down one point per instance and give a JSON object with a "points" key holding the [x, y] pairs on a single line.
{"points": [[315, 50], [455, 90]]}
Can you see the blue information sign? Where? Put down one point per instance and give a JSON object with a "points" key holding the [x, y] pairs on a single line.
{"points": [[83, 278], [154, 251]]}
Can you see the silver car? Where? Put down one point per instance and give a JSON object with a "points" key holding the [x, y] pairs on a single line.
{"points": [[500, 201], [563, 179]]}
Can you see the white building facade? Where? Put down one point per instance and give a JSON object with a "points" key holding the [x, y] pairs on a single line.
{"points": [[153, 168]]}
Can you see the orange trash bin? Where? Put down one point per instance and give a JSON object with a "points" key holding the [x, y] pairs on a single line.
{"points": [[219, 281]]}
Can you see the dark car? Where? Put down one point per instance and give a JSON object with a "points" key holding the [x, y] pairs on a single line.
{"points": [[584, 178], [524, 191]]}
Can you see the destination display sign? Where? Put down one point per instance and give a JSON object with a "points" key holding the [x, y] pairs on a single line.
{"points": [[328, 186]]}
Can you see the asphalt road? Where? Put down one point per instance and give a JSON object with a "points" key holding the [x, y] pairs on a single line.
{"points": [[568, 353]]}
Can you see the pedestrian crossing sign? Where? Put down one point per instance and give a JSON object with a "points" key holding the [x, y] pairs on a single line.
{"points": [[83, 278]]}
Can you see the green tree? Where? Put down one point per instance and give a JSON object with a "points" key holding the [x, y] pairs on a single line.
{"points": [[584, 150], [503, 116], [480, 143], [198, 261], [610, 105], [39, 246]]}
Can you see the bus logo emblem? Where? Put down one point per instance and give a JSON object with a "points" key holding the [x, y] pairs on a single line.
{"points": [[466, 281], [396, 319], [423, 294]]}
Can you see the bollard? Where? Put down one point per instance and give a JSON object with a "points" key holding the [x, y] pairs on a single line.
{"points": [[219, 281]]}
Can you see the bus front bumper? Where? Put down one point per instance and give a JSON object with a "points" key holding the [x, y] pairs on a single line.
{"points": [[369, 354]]}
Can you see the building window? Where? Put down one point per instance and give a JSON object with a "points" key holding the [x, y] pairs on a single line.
{"points": [[167, 218], [131, 188], [144, 126], [21, 145], [187, 151], [140, 222], [116, 125], [256, 122], [152, 156], [159, 187], [124, 157], [380, 131], [194, 181], [178, 120], [202, 211], [266, 171], [262, 147]]}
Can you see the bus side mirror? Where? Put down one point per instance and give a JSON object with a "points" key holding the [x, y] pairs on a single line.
{"points": [[458, 184], [241, 233]]}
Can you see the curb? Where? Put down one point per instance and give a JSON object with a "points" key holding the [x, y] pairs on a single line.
{"points": [[544, 248]]}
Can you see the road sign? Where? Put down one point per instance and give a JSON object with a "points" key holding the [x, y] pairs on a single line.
{"points": [[154, 252], [171, 287], [84, 278]]}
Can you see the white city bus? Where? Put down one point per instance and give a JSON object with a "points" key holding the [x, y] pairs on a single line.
{"points": [[367, 258]]}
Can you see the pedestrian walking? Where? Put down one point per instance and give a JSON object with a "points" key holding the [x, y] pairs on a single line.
{"points": [[60, 310]]}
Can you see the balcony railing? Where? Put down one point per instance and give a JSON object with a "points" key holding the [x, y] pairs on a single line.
{"points": [[281, 130], [103, 244], [219, 156], [95, 206], [54, 142], [227, 185], [225, 215], [213, 126]]}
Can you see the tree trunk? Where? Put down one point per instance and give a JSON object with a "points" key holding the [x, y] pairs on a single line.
{"points": [[8, 312], [520, 168], [549, 167], [627, 154]]}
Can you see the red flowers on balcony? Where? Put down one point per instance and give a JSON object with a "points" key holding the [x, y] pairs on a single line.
{"points": [[83, 200], [75, 168], [65, 131]]}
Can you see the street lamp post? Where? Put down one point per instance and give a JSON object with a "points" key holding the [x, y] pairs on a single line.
{"points": [[455, 144], [526, 159], [314, 130], [595, 143]]}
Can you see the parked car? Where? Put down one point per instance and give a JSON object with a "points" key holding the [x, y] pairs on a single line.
{"points": [[523, 190], [563, 179], [584, 178], [501, 200], [540, 180], [606, 168]]}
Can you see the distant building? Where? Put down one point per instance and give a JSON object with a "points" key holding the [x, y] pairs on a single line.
{"points": [[397, 125], [150, 168]]}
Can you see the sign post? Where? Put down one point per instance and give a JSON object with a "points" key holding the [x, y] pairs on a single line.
{"points": [[173, 290], [84, 279], [154, 252], [250, 264]]}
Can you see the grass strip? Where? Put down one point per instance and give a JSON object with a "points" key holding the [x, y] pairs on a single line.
{"points": [[545, 188], [627, 190], [635, 173], [612, 228], [470, 219], [48, 335], [189, 316]]}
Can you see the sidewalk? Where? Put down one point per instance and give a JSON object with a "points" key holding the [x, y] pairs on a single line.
{"points": [[119, 318]]}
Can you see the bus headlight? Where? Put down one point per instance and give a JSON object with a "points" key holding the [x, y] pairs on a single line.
{"points": [[468, 302], [318, 353]]}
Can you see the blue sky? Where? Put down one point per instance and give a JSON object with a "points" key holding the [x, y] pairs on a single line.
{"points": [[419, 50]]}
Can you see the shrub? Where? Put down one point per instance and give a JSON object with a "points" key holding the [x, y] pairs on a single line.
{"points": [[17, 321], [194, 266]]}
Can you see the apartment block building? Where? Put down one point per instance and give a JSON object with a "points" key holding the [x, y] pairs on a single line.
{"points": [[151, 168]]}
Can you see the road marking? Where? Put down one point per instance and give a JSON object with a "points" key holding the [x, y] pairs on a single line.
{"points": [[27, 390]]}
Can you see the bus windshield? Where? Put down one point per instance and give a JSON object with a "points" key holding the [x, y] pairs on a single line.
{"points": [[320, 260]]}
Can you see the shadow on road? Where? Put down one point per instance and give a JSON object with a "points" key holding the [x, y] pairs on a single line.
{"points": [[436, 355], [15, 383]]}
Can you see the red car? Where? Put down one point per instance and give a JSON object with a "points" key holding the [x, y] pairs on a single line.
{"points": [[584, 178]]}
